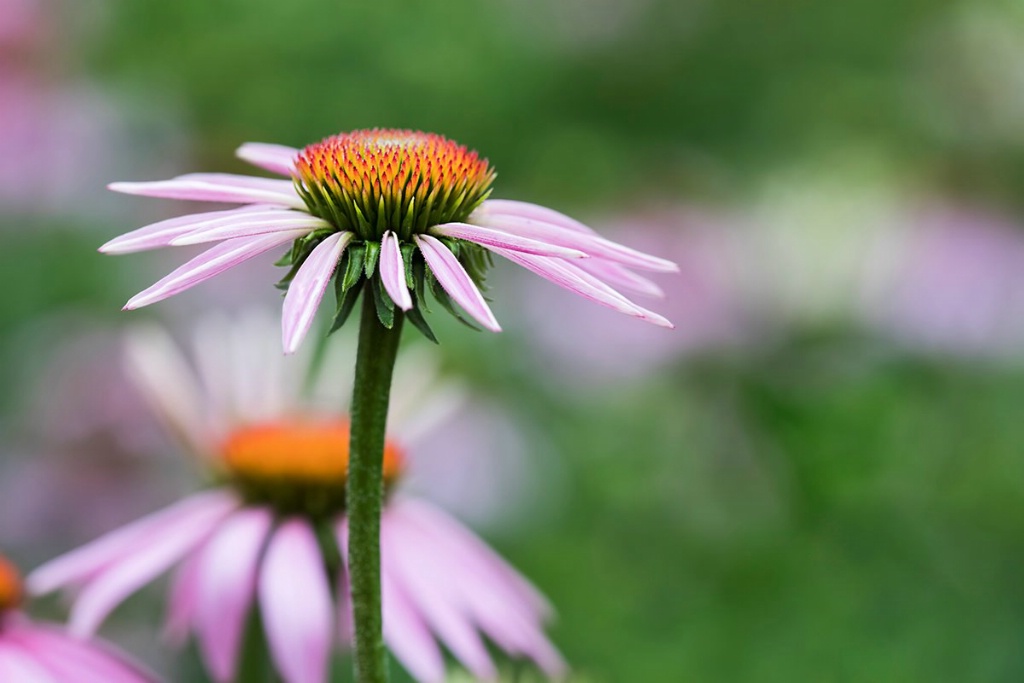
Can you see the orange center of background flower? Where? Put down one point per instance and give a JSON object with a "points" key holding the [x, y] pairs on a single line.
{"points": [[11, 590], [369, 181], [299, 452]]}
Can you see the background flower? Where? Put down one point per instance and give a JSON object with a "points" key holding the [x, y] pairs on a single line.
{"points": [[278, 462]]}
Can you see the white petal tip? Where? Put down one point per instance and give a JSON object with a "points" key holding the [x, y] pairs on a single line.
{"points": [[659, 321], [135, 303], [125, 188]]}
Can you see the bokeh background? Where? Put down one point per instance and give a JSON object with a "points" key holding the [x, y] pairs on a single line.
{"points": [[818, 476]]}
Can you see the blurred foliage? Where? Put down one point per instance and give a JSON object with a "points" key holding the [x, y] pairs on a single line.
{"points": [[583, 102]]}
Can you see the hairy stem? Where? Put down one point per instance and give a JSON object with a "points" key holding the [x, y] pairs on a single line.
{"points": [[375, 361]]}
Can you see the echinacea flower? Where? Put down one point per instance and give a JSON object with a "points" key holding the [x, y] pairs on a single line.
{"points": [[405, 211], [275, 519], [32, 652]]}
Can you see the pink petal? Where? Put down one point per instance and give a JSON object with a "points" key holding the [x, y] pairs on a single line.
{"points": [[17, 665], [75, 661], [407, 635], [274, 158], [182, 599], [620, 276], [251, 224], [160, 234], [85, 562], [226, 584], [511, 207], [412, 562], [454, 279], [210, 263], [438, 523], [168, 384], [587, 242], [405, 632], [580, 282], [296, 602], [392, 271], [218, 187], [307, 289], [496, 597], [148, 558], [489, 237]]}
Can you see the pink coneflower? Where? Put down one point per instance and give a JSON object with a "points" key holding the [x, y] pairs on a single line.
{"points": [[412, 207], [953, 282], [31, 652], [257, 536]]}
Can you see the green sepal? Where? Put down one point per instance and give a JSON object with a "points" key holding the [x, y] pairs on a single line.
{"points": [[408, 254], [346, 302], [414, 316], [385, 306], [419, 276], [372, 254], [353, 267]]}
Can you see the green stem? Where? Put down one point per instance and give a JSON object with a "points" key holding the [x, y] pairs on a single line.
{"points": [[375, 361]]}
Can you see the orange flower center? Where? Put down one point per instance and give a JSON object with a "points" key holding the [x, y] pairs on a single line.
{"points": [[299, 466], [371, 181], [11, 590]]}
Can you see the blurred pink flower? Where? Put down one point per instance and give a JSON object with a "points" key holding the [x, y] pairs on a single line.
{"points": [[433, 217], [32, 652], [23, 23], [280, 461], [589, 344], [76, 438], [954, 282]]}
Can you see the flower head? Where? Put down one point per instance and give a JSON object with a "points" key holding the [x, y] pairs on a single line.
{"points": [[405, 212], [275, 517], [33, 652]]}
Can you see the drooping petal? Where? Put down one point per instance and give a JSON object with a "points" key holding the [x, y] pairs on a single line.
{"points": [[182, 598], [405, 632], [588, 242], [20, 666], [392, 271], [226, 588], [307, 289], [411, 561], [439, 524], [251, 224], [621, 276], [164, 378], [210, 263], [570, 277], [274, 158], [149, 558], [160, 234], [489, 237], [296, 604], [512, 207], [85, 562], [76, 661], [455, 280], [218, 187], [504, 605]]}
